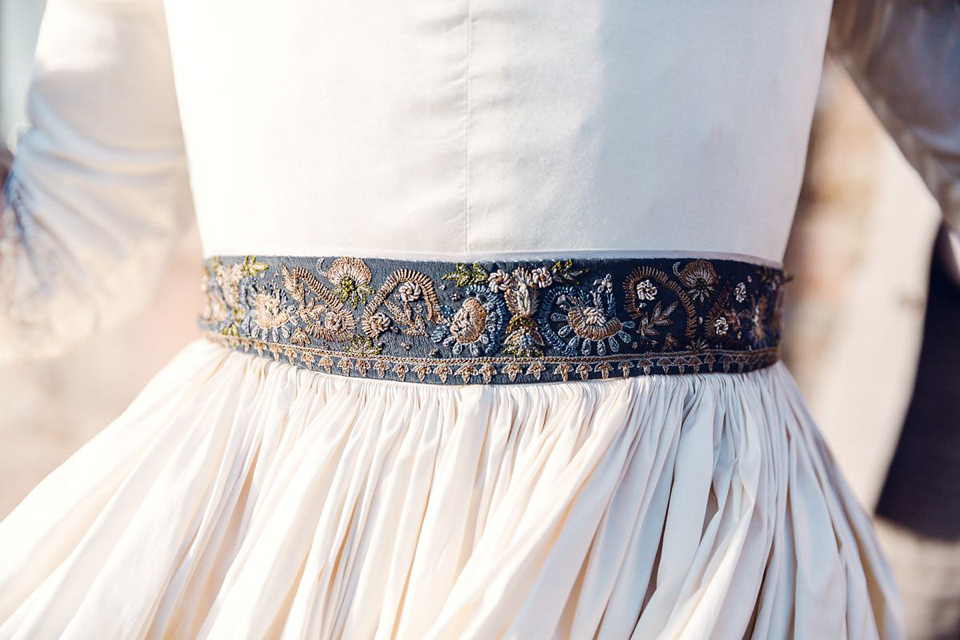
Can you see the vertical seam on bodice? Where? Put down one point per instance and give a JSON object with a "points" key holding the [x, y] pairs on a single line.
{"points": [[466, 166]]}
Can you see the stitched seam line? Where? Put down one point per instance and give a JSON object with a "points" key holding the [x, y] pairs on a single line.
{"points": [[466, 168]]}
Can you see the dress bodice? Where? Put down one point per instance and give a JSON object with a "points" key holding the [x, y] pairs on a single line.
{"points": [[496, 127], [451, 130]]}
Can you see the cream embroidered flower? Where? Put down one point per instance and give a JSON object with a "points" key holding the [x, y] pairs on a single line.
{"points": [[740, 292], [522, 275], [337, 322], [499, 280], [721, 326], [408, 291], [350, 278], [541, 278], [646, 290], [478, 324], [378, 323], [270, 311]]}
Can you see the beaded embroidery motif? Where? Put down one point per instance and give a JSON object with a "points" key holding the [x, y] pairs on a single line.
{"points": [[497, 322]]}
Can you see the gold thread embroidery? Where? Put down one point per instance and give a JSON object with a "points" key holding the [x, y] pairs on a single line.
{"points": [[497, 323]]}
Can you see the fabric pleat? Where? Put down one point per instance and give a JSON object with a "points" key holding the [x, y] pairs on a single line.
{"points": [[242, 497]]}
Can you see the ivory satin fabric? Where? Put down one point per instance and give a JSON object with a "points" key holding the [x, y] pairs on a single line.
{"points": [[242, 497], [239, 497]]}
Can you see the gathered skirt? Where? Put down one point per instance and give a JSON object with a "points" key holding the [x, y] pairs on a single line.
{"points": [[243, 497]]}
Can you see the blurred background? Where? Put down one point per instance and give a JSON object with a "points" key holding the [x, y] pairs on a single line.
{"points": [[859, 252]]}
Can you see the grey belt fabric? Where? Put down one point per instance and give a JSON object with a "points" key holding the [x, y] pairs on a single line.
{"points": [[497, 322]]}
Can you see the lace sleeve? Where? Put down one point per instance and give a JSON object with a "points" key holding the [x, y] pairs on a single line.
{"points": [[98, 189], [904, 56]]}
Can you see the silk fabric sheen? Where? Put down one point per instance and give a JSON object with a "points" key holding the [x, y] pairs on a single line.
{"points": [[244, 497]]}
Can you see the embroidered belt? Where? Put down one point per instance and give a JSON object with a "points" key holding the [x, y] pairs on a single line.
{"points": [[497, 321]]}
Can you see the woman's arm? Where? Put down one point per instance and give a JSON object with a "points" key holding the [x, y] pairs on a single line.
{"points": [[904, 56], [98, 190]]}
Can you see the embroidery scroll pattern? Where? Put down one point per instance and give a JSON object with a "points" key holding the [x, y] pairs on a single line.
{"points": [[500, 322]]}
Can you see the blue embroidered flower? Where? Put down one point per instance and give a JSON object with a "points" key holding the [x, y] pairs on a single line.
{"points": [[269, 311], [587, 319], [478, 324]]}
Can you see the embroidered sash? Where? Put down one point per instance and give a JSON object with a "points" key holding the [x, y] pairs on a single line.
{"points": [[497, 321]]}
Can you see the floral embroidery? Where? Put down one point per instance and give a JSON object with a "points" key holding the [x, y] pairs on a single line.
{"points": [[588, 319], [699, 277], [477, 324], [646, 290], [229, 276], [740, 292], [523, 321], [351, 279], [721, 326], [269, 312]]}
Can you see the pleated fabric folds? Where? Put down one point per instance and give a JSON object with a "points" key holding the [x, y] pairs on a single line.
{"points": [[242, 497]]}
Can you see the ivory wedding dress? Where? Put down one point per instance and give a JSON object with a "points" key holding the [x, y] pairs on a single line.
{"points": [[493, 306]]}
